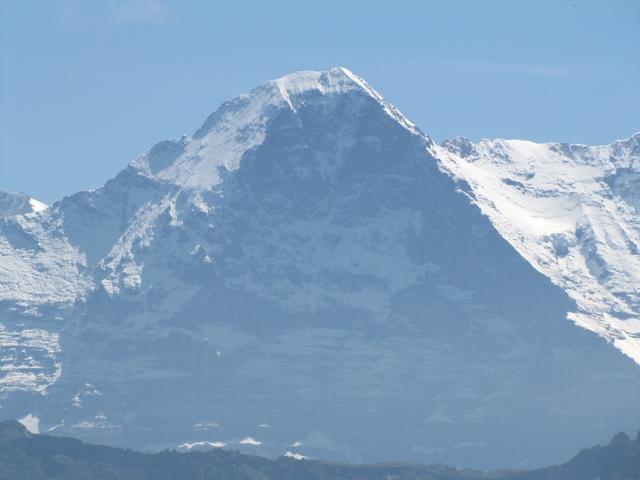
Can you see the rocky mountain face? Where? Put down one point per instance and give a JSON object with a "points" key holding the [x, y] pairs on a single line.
{"points": [[18, 204], [309, 272]]}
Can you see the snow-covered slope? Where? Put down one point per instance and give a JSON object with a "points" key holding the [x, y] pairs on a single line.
{"points": [[301, 271], [18, 204], [573, 212]]}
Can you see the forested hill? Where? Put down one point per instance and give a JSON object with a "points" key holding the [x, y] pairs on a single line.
{"points": [[24, 456]]}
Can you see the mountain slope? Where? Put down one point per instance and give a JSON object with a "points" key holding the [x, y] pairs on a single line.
{"points": [[619, 460], [300, 271], [572, 212]]}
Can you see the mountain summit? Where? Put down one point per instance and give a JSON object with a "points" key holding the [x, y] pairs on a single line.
{"points": [[242, 124], [307, 273]]}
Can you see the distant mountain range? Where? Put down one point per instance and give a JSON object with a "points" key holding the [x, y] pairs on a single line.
{"points": [[24, 456], [310, 269]]}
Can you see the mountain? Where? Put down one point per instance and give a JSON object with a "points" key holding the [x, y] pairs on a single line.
{"points": [[307, 269], [33, 457], [619, 460], [18, 204], [572, 212]]}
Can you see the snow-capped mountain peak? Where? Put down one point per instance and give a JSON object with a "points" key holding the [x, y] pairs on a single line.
{"points": [[241, 124]]}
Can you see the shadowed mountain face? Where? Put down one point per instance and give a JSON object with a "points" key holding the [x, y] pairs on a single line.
{"points": [[34, 457], [300, 272]]}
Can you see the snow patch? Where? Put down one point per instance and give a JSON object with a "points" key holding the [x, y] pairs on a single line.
{"points": [[200, 445], [294, 456], [31, 423], [37, 206], [250, 441]]}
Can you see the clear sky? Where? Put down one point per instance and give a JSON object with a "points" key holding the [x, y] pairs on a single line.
{"points": [[86, 86]]}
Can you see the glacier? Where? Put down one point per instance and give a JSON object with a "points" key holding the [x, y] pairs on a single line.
{"points": [[572, 212], [311, 272]]}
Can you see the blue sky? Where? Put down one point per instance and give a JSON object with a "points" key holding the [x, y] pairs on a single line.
{"points": [[86, 86]]}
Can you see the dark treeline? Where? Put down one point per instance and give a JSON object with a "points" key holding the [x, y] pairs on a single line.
{"points": [[33, 457]]}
